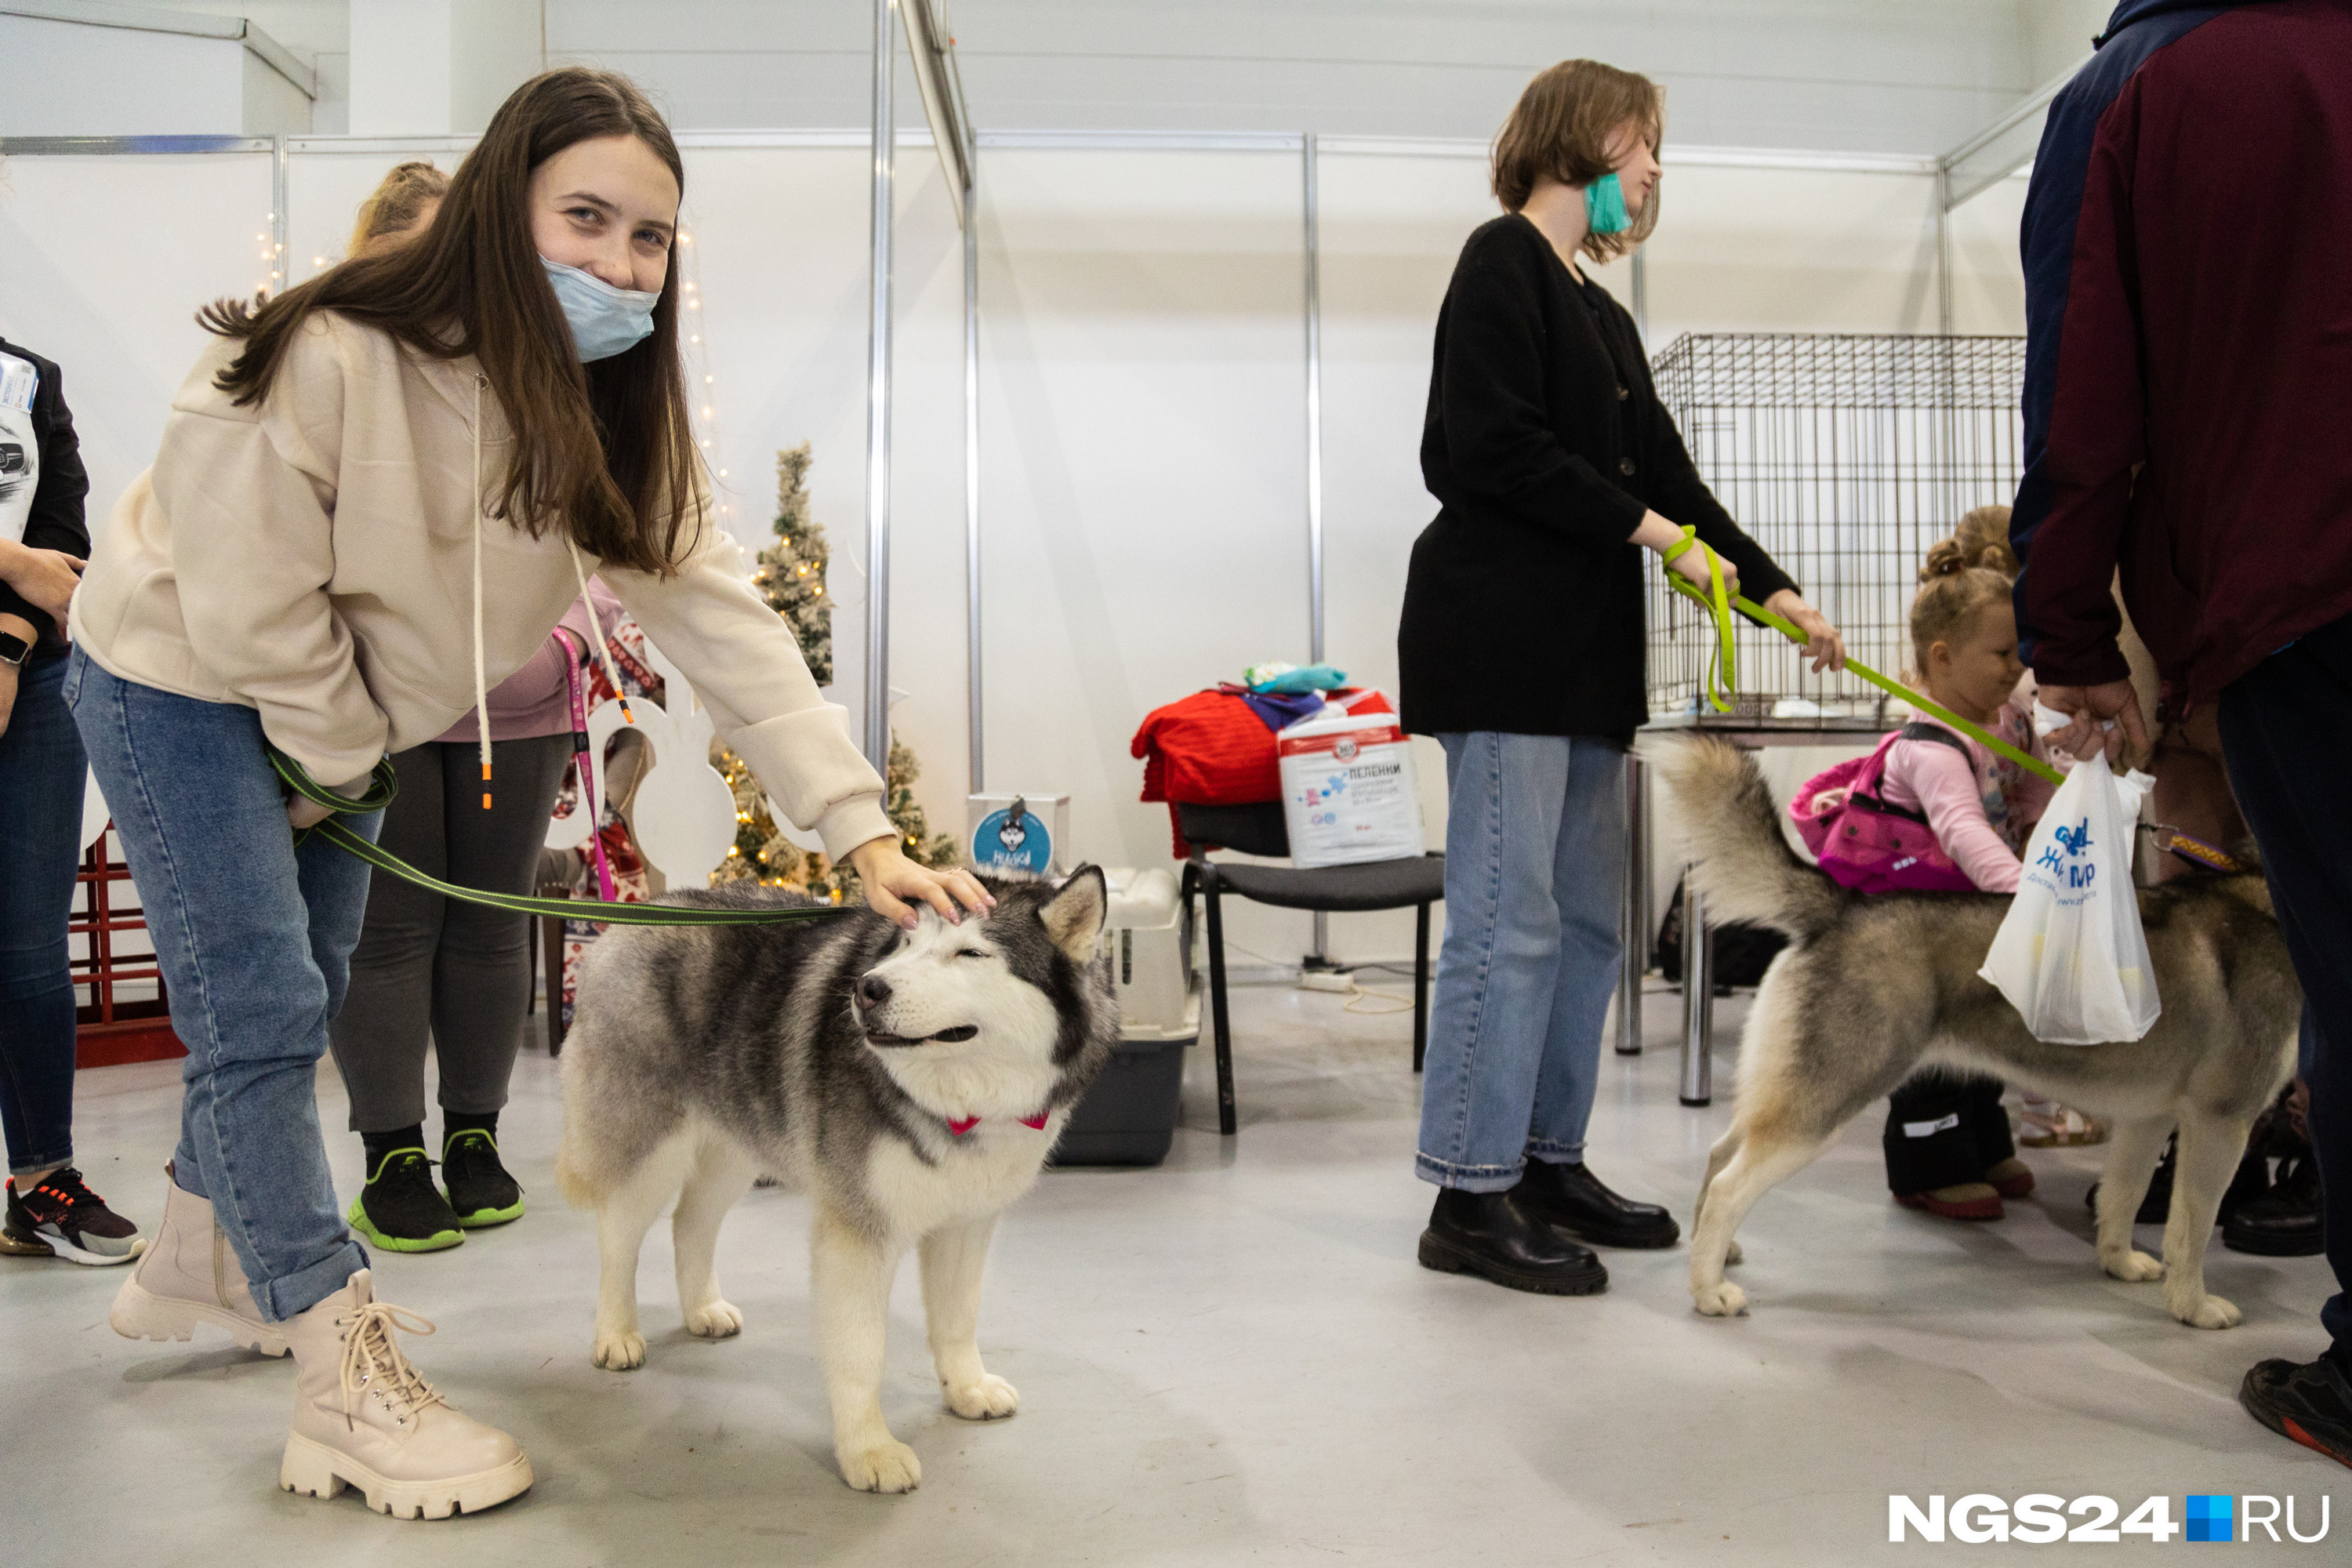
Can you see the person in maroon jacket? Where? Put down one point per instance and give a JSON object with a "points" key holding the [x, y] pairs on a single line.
{"points": [[2188, 399]]}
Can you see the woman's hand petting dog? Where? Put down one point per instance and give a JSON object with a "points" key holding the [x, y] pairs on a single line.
{"points": [[894, 885]]}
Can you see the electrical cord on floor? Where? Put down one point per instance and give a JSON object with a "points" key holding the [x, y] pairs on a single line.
{"points": [[1356, 995]]}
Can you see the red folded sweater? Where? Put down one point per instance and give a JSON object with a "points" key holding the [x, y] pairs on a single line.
{"points": [[1211, 749]]}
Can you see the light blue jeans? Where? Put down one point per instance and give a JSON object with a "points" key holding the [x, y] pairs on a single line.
{"points": [[254, 938], [1534, 854]]}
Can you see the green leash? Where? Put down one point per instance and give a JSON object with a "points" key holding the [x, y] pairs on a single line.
{"points": [[385, 785], [1722, 671]]}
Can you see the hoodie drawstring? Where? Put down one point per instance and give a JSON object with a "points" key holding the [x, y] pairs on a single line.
{"points": [[580, 576], [595, 625], [481, 676]]}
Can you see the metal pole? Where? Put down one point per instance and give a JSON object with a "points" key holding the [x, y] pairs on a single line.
{"points": [[1313, 412], [877, 405], [1321, 957], [1634, 961], [1944, 251], [279, 170], [971, 472], [1641, 267], [1699, 998]]}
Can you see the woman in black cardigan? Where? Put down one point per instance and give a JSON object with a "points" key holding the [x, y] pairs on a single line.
{"points": [[1520, 650]]}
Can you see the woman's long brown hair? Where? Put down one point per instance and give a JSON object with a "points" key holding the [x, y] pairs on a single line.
{"points": [[605, 449]]}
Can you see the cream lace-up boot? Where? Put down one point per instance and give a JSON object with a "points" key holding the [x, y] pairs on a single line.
{"points": [[364, 1418], [188, 1275]]}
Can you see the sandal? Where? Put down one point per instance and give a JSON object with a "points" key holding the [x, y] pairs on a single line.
{"points": [[2046, 1124]]}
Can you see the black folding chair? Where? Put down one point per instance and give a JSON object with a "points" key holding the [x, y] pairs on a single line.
{"points": [[1376, 885]]}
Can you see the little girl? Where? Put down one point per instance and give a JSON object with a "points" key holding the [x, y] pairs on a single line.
{"points": [[1946, 1132], [1947, 1140]]}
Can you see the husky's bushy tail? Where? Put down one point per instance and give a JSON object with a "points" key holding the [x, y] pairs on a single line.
{"points": [[1730, 830]]}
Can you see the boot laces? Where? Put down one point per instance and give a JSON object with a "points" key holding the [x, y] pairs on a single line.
{"points": [[372, 1361]]}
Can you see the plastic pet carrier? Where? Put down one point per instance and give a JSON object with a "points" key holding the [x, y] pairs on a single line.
{"points": [[1129, 1116]]}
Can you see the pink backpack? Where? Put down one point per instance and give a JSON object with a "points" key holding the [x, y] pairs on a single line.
{"points": [[1867, 844]]}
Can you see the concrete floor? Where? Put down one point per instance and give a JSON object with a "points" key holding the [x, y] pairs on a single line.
{"points": [[1232, 1358]]}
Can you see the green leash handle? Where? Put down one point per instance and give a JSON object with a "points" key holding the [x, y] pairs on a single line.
{"points": [[1716, 608], [385, 785]]}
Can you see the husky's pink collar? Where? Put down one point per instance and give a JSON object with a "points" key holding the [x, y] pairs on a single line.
{"points": [[960, 1125]]}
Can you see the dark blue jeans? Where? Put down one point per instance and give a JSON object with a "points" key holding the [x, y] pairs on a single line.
{"points": [[41, 774], [2286, 734], [254, 936]]}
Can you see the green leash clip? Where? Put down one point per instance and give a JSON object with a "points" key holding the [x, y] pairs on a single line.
{"points": [[1723, 672], [384, 785]]}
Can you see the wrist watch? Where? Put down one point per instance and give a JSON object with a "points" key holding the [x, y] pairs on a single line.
{"points": [[13, 648]]}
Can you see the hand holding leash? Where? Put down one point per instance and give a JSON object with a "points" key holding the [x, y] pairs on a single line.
{"points": [[1722, 676]]}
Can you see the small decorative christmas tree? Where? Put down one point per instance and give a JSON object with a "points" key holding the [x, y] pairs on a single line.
{"points": [[791, 575]]}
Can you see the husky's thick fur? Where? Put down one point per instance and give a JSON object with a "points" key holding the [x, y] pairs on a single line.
{"points": [[892, 1074], [1872, 987]]}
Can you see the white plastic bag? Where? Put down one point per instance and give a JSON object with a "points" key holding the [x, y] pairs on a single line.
{"points": [[1348, 793], [2070, 956]]}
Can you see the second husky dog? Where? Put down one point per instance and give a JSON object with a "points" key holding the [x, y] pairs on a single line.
{"points": [[1872, 987], [912, 1081]]}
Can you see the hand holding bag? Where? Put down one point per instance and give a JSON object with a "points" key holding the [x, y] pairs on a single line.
{"points": [[2070, 956]]}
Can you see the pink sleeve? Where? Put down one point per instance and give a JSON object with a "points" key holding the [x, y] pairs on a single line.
{"points": [[2033, 791], [1945, 786]]}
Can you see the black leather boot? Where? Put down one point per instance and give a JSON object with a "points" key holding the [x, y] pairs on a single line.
{"points": [[1491, 1235], [1571, 1197], [2286, 1221], [2252, 1179]]}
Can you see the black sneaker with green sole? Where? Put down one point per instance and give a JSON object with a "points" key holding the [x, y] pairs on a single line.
{"points": [[481, 1192], [401, 1210]]}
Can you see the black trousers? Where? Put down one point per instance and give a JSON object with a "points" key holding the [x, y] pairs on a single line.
{"points": [[2287, 734], [430, 969], [1943, 1129]]}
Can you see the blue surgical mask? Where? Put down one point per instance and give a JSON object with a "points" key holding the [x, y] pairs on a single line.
{"points": [[604, 321], [1605, 205]]}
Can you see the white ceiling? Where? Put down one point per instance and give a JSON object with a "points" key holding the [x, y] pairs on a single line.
{"points": [[1896, 76]]}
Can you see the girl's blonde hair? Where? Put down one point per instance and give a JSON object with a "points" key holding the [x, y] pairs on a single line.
{"points": [[1981, 539], [395, 206], [1952, 594], [1562, 126]]}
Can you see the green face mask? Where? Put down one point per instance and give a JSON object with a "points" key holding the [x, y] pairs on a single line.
{"points": [[1605, 205]]}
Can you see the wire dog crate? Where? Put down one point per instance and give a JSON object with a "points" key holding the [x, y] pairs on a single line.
{"points": [[1845, 458]]}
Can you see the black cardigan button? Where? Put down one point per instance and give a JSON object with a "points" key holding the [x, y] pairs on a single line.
{"points": [[1625, 467]]}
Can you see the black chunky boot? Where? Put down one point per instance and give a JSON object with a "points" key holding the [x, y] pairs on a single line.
{"points": [[2286, 1222], [1572, 1197], [1492, 1235]]}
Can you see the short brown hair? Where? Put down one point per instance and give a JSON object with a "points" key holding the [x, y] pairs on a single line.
{"points": [[1562, 126], [396, 205], [602, 452]]}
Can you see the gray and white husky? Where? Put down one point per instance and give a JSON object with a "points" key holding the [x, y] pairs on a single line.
{"points": [[1872, 987], [912, 1082]]}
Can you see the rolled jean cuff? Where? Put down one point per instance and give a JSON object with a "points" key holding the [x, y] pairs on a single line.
{"points": [[298, 1293], [42, 1162], [1554, 1154], [1465, 1178]]}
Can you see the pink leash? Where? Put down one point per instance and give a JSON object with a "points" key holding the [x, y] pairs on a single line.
{"points": [[580, 758]]}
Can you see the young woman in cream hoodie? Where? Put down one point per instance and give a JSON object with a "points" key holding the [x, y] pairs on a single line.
{"points": [[375, 495]]}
